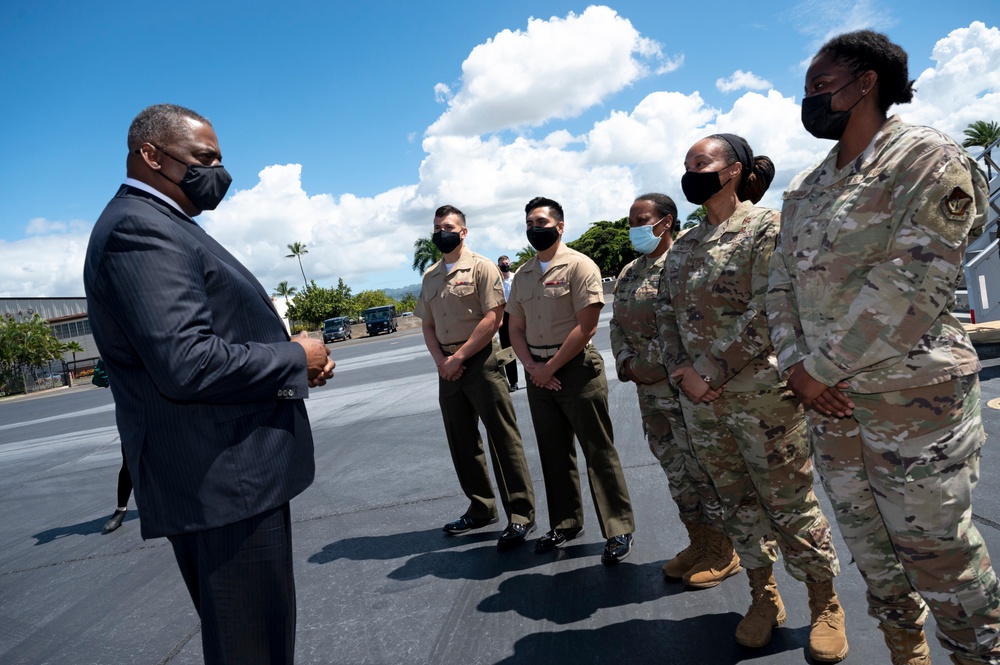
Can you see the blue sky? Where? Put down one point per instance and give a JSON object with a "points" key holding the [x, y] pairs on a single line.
{"points": [[345, 124]]}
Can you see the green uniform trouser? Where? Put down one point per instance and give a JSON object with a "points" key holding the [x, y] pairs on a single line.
{"points": [[580, 407], [481, 393], [755, 448], [690, 487], [900, 474]]}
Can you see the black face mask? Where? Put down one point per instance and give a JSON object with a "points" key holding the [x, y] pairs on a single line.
{"points": [[504, 267], [819, 118], [205, 186], [700, 187], [446, 241], [542, 238]]}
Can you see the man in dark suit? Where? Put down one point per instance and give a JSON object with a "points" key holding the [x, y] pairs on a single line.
{"points": [[208, 388]]}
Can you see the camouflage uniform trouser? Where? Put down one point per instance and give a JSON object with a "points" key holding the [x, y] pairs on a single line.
{"points": [[900, 475], [666, 434], [755, 449]]}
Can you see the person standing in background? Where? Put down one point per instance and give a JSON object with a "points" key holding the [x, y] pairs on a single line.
{"points": [[508, 278]]}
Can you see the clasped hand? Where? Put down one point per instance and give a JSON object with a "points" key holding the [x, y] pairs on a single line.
{"points": [[828, 400], [695, 387], [542, 375], [319, 364]]}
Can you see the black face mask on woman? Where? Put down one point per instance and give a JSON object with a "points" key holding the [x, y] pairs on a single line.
{"points": [[700, 187], [819, 118], [543, 237], [446, 241], [205, 186]]}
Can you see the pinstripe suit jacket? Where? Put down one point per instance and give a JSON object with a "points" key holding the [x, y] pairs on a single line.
{"points": [[208, 388]]}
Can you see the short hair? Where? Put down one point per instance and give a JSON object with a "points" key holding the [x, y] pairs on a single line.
{"points": [[542, 202], [664, 206], [754, 181], [502, 257], [446, 210], [161, 124], [865, 50]]}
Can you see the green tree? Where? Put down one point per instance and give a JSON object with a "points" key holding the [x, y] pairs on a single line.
{"points": [[316, 304], [982, 134], [408, 303], [370, 298], [695, 218], [285, 291], [425, 254], [74, 348], [608, 245], [24, 344], [297, 249], [522, 257]]}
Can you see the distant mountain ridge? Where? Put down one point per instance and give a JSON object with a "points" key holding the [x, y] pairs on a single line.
{"points": [[396, 294]]}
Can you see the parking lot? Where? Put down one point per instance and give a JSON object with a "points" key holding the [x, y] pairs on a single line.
{"points": [[377, 581]]}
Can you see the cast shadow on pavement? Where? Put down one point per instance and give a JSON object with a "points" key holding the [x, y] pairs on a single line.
{"points": [[576, 595], [396, 545], [90, 527], [700, 640], [486, 563]]}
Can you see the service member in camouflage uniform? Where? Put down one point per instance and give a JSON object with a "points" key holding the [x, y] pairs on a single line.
{"points": [[747, 430], [460, 306], [635, 342], [861, 292], [555, 304]]}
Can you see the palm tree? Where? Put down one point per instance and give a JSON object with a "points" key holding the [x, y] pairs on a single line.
{"points": [[73, 347], [695, 218], [297, 249], [425, 253], [982, 134], [522, 257], [284, 290]]}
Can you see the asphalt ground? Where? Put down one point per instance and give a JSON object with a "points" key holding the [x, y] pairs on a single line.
{"points": [[377, 580]]}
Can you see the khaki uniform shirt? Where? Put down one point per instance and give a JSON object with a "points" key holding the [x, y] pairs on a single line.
{"points": [[457, 300], [548, 302], [710, 309], [634, 334], [863, 284]]}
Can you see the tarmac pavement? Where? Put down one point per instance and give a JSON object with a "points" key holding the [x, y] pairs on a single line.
{"points": [[377, 580]]}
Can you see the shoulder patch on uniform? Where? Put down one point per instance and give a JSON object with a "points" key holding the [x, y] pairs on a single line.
{"points": [[956, 205], [496, 282], [593, 283]]}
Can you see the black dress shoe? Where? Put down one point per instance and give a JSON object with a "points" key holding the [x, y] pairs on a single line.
{"points": [[617, 549], [115, 521], [557, 537], [466, 523], [514, 535]]}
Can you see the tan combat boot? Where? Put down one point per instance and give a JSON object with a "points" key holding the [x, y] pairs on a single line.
{"points": [[690, 555], [906, 647], [766, 609], [719, 560], [827, 638]]}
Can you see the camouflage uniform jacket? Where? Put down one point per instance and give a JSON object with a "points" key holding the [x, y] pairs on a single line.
{"points": [[863, 282], [710, 308], [633, 327]]}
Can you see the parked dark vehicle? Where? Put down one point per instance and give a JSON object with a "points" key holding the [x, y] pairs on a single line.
{"points": [[336, 328], [380, 319]]}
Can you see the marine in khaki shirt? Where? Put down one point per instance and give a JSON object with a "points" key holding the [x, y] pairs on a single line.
{"points": [[555, 302], [461, 305]]}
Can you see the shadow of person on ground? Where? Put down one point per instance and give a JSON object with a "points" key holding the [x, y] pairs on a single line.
{"points": [[704, 639], [576, 595], [81, 529], [397, 545]]}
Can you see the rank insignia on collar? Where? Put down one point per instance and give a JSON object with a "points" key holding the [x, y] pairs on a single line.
{"points": [[956, 205]]}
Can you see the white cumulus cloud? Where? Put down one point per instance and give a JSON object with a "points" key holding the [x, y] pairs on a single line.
{"points": [[741, 80], [555, 68]]}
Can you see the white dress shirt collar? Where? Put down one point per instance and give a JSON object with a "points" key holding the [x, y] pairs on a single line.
{"points": [[138, 184]]}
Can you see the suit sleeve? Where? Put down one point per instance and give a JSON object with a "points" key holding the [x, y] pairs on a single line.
{"points": [[156, 284]]}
